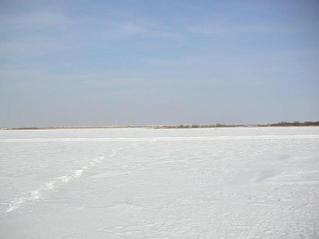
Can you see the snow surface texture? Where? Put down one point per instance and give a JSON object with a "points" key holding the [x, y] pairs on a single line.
{"points": [[160, 183]]}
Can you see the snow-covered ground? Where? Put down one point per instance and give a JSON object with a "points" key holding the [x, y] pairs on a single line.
{"points": [[160, 183]]}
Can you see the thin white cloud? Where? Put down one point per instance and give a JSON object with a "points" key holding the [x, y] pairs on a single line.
{"points": [[212, 29], [145, 30], [34, 19]]}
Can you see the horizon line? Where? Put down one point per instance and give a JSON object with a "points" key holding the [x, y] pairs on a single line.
{"points": [[173, 126]]}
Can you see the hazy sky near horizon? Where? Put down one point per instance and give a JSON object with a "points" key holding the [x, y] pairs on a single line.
{"points": [[71, 63]]}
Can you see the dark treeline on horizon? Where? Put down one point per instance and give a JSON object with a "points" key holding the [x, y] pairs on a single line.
{"points": [[181, 126], [279, 124]]}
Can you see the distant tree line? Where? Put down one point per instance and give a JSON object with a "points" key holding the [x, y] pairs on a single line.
{"points": [[279, 124], [188, 126], [295, 123], [184, 126]]}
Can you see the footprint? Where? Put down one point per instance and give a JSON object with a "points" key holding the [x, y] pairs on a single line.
{"points": [[266, 174]]}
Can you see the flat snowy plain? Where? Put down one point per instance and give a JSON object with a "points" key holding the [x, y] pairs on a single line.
{"points": [[160, 183]]}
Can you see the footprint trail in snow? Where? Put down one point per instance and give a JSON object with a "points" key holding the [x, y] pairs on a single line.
{"points": [[54, 184]]}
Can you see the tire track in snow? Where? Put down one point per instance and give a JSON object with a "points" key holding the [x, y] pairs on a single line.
{"points": [[54, 184]]}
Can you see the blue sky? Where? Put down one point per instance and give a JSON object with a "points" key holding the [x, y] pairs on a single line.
{"points": [[72, 63]]}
